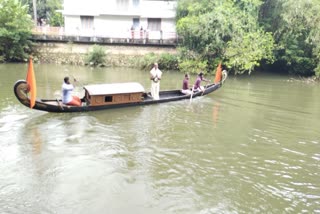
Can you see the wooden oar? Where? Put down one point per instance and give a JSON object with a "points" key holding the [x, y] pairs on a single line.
{"points": [[205, 88], [191, 93], [60, 105], [75, 80]]}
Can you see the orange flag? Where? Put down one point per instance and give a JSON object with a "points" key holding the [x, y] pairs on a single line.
{"points": [[31, 81], [218, 74]]}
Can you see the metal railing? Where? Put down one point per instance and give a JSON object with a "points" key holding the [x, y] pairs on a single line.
{"points": [[146, 37]]}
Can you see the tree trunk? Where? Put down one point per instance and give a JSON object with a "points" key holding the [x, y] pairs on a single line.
{"points": [[35, 12]]}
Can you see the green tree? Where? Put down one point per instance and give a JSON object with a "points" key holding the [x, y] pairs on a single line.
{"points": [[224, 30], [53, 15], [295, 27], [15, 31], [48, 10]]}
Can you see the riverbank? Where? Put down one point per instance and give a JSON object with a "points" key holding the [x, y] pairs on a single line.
{"points": [[117, 55], [74, 54]]}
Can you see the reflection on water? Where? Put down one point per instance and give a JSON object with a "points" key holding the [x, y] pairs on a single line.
{"points": [[251, 147]]}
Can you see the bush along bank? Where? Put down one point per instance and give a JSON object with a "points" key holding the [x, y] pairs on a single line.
{"points": [[111, 60], [101, 57], [98, 57], [119, 56]]}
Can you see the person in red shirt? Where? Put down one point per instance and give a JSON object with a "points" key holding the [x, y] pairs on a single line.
{"points": [[185, 85], [197, 84]]}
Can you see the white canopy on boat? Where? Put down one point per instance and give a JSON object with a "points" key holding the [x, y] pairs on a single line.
{"points": [[114, 88]]}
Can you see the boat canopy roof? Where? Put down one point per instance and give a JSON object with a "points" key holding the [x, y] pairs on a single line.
{"points": [[114, 88]]}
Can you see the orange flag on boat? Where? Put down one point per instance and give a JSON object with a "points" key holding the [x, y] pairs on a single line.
{"points": [[218, 74], [31, 81]]}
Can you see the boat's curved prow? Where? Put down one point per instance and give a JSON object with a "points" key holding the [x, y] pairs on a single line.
{"points": [[224, 76], [20, 90]]}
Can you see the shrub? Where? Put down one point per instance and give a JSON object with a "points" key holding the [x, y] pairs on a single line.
{"points": [[193, 66], [302, 66], [97, 57], [166, 61], [147, 61]]}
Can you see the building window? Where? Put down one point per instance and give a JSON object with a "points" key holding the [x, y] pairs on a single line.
{"points": [[154, 24], [123, 5], [136, 3], [86, 22], [108, 99], [136, 23]]}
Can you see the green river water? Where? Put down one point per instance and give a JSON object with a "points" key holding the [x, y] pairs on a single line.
{"points": [[253, 146]]}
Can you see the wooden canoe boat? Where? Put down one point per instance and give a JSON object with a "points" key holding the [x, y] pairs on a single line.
{"points": [[107, 96]]}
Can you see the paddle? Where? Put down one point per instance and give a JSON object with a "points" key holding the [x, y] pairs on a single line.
{"points": [[191, 94], [60, 105], [75, 80], [205, 87]]}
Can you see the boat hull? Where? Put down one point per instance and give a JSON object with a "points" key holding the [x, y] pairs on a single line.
{"points": [[55, 105]]}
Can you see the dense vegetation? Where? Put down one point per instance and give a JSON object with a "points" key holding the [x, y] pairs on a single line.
{"points": [[296, 32], [247, 34], [96, 57], [166, 60], [15, 31], [47, 11]]}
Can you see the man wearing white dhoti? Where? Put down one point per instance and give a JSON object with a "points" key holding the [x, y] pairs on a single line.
{"points": [[155, 76]]}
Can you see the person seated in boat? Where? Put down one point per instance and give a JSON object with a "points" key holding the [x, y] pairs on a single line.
{"points": [[197, 85], [185, 85], [67, 97]]}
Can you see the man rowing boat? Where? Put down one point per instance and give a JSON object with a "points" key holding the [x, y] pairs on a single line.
{"points": [[197, 84], [67, 97]]}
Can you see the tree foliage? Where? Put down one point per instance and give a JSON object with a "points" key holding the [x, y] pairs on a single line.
{"points": [[248, 33], [47, 10], [295, 25], [227, 30], [15, 30], [167, 61], [245, 53]]}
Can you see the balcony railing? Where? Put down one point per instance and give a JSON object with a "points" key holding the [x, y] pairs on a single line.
{"points": [[142, 37]]}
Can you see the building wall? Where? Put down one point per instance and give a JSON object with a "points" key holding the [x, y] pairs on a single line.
{"points": [[115, 20], [158, 9], [113, 26], [72, 25]]}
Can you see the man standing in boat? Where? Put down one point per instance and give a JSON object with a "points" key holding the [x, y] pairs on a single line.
{"points": [[155, 76], [67, 97]]}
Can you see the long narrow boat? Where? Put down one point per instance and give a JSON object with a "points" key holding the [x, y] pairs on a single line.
{"points": [[107, 96]]}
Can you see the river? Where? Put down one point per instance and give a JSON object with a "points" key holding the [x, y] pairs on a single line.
{"points": [[253, 146]]}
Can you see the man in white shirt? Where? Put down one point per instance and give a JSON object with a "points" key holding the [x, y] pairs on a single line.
{"points": [[155, 76], [67, 97]]}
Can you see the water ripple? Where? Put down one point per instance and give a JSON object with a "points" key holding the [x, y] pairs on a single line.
{"points": [[241, 150]]}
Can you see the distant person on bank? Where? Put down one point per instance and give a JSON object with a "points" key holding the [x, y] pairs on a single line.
{"points": [[155, 77], [67, 97]]}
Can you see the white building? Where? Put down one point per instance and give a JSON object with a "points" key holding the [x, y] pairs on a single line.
{"points": [[120, 18]]}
